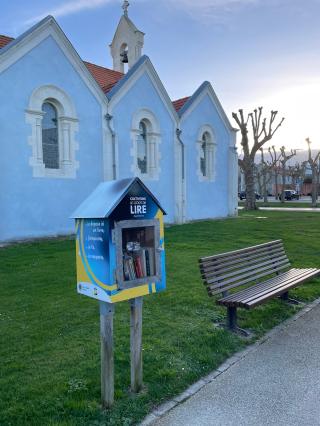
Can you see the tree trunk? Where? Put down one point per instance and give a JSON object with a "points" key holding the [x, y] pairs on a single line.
{"points": [[283, 184], [314, 188], [276, 185], [260, 185], [249, 181], [264, 185]]}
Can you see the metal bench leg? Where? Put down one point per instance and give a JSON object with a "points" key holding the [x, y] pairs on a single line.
{"points": [[232, 322], [285, 297], [232, 318]]}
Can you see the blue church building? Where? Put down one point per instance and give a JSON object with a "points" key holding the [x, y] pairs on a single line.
{"points": [[66, 125]]}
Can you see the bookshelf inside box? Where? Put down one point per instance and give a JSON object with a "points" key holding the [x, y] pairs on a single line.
{"points": [[142, 266]]}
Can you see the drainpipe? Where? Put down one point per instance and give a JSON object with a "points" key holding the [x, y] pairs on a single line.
{"points": [[178, 133], [109, 117]]}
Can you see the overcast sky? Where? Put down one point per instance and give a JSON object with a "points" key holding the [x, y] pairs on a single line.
{"points": [[254, 52]]}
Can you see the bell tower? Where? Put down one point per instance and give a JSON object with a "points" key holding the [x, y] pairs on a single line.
{"points": [[127, 43]]}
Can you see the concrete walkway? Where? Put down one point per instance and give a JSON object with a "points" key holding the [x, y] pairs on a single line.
{"points": [[277, 382]]}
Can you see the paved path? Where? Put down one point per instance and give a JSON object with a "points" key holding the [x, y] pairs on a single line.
{"points": [[278, 383]]}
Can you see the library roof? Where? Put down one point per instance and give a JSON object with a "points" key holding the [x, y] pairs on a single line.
{"points": [[106, 197]]}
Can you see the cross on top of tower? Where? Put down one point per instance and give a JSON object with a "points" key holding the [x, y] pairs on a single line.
{"points": [[125, 6]]}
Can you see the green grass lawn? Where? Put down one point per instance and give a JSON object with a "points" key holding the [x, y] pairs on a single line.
{"points": [[49, 351], [287, 204]]}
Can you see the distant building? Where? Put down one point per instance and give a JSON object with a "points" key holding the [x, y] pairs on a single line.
{"points": [[301, 184], [67, 125]]}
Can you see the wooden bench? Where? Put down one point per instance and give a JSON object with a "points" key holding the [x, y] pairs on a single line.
{"points": [[227, 271]]}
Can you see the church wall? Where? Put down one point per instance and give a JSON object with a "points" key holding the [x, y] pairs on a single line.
{"points": [[31, 206], [206, 199], [143, 95]]}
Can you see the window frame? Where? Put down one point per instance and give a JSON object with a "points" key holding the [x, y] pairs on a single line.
{"points": [[153, 137], [67, 128], [209, 154]]}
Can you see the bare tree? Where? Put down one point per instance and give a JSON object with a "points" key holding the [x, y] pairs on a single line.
{"points": [[314, 165], [297, 173], [266, 168], [275, 167], [283, 161], [262, 132]]}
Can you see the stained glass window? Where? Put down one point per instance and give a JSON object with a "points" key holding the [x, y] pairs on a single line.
{"points": [[50, 142], [142, 148], [204, 154]]}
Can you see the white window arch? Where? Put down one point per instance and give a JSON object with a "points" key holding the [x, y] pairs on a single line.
{"points": [[53, 121], [146, 138], [206, 153]]}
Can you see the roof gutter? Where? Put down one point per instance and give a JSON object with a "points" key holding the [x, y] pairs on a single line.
{"points": [[178, 133], [109, 117], [183, 198]]}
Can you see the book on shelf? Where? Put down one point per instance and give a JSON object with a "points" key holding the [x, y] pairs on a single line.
{"points": [[138, 268], [150, 261], [140, 265], [143, 262], [126, 270]]}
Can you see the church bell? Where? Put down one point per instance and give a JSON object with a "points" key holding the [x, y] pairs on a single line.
{"points": [[124, 56]]}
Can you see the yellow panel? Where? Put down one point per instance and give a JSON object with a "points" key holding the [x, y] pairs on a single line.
{"points": [[81, 272], [130, 293], [159, 216]]}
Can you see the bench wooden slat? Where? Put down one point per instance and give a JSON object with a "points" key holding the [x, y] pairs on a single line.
{"points": [[283, 289], [252, 268], [238, 257], [242, 298], [243, 260], [217, 290], [282, 280], [269, 269], [235, 252], [252, 290]]}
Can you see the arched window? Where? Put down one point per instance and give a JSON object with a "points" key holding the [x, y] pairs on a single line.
{"points": [[54, 123], [142, 148], [50, 136], [145, 136], [206, 154]]}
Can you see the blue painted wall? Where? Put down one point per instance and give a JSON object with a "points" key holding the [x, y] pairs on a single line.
{"points": [[206, 199], [34, 207], [30, 206], [143, 95]]}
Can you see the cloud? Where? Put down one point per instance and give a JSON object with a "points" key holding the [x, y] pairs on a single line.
{"points": [[206, 12], [209, 7], [69, 8], [196, 8]]}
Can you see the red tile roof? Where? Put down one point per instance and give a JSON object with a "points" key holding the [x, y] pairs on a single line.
{"points": [[4, 40], [105, 77], [178, 104]]}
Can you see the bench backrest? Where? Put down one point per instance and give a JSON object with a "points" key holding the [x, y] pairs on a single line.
{"points": [[225, 271]]}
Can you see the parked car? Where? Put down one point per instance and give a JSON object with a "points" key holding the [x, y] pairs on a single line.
{"points": [[290, 194], [242, 195]]}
